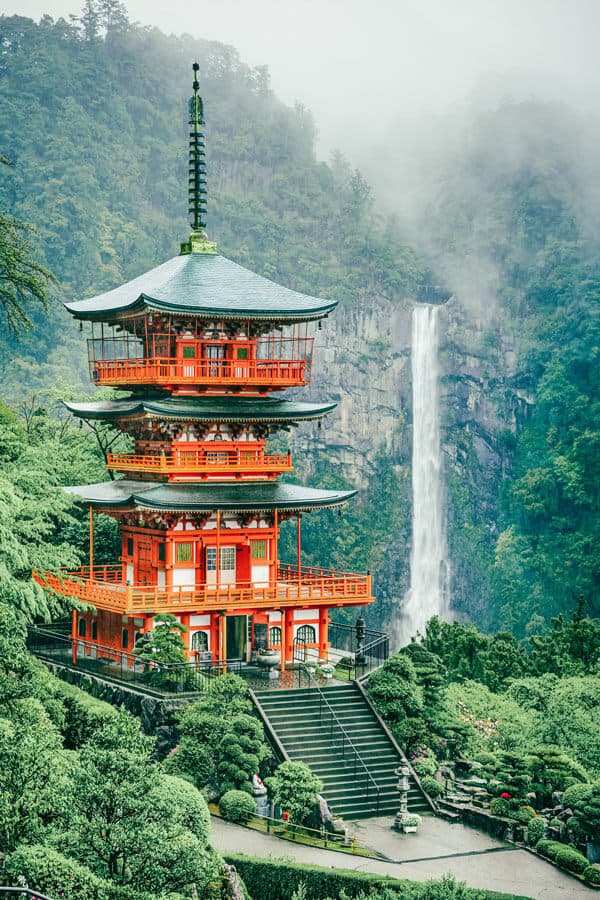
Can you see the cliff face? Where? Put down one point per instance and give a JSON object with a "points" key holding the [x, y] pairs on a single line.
{"points": [[363, 362]]}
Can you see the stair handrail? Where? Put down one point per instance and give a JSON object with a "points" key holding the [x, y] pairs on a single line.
{"points": [[323, 699], [268, 726], [398, 749]]}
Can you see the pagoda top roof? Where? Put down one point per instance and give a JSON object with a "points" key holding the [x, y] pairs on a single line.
{"points": [[204, 409], [207, 285], [207, 498]]}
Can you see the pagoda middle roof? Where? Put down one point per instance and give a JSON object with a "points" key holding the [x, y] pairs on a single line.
{"points": [[208, 497], [204, 409], [207, 285]]}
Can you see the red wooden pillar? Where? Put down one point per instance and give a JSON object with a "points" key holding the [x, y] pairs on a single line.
{"points": [[185, 621], [283, 648], [214, 636], [323, 633], [74, 636]]}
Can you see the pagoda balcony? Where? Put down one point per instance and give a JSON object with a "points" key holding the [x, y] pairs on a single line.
{"points": [[199, 367], [105, 588], [222, 463]]}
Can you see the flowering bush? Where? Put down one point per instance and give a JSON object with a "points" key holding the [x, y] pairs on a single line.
{"points": [[486, 726]]}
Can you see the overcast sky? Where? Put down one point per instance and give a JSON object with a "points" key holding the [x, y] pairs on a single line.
{"points": [[362, 64]]}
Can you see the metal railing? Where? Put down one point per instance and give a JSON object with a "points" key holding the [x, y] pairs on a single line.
{"points": [[105, 588], [338, 735], [150, 677], [363, 656]]}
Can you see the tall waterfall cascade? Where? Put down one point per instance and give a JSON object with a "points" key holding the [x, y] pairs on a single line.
{"points": [[429, 570]]}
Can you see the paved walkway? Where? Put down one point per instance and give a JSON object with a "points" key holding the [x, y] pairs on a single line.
{"points": [[436, 849]]}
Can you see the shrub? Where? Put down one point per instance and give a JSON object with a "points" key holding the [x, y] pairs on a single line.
{"points": [[571, 859], [52, 873], [576, 794], [535, 830], [522, 814], [237, 806], [549, 848], [294, 789], [500, 807], [432, 786], [592, 875], [84, 714], [425, 765], [277, 878]]}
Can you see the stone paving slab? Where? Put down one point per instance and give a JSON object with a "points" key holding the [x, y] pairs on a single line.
{"points": [[498, 868]]}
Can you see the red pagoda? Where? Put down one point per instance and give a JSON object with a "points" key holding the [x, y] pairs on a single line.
{"points": [[202, 345]]}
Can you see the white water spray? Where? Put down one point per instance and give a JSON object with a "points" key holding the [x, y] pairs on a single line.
{"points": [[429, 572]]}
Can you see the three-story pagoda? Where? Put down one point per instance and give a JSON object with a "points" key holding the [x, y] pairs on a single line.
{"points": [[202, 345]]}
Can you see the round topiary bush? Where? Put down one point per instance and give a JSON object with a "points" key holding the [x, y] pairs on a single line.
{"points": [[432, 786], [576, 794], [535, 830], [571, 859], [237, 806], [592, 875]]}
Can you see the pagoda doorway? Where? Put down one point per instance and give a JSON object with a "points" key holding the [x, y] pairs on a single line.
{"points": [[237, 637], [227, 572]]}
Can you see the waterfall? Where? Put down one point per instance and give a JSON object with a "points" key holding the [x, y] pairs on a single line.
{"points": [[429, 572]]}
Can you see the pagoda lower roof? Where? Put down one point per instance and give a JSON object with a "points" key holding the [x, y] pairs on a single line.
{"points": [[207, 285], [204, 409], [265, 496]]}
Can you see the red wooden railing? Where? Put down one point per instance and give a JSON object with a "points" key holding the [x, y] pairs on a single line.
{"points": [[104, 588]]}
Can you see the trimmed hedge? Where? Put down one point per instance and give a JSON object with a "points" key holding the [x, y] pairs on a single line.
{"points": [[84, 714], [272, 879], [571, 859], [592, 875], [549, 848]]}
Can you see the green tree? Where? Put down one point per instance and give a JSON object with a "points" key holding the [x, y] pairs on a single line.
{"points": [[294, 789]]}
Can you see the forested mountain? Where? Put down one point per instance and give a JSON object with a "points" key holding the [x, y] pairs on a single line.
{"points": [[94, 126]]}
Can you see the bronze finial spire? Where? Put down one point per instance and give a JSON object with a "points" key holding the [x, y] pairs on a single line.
{"points": [[197, 192], [197, 161]]}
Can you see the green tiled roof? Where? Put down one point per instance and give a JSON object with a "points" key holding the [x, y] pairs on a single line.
{"points": [[207, 285], [195, 497], [204, 409]]}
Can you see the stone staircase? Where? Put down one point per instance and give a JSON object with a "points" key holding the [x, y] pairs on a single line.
{"points": [[357, 769]]}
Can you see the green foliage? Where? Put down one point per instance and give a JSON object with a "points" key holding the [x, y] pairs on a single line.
{"points": [[221, 746], [500, 807], [22, 279], [53, 874], [549, 848], [432, 786], [535, 830], [272, 879], [425, 765], [237, 806], [164, 644], [294, 788], [576, 794], [399, 699], [592, 875], [130, 823], [32, 769], [84, 714], [571, 859]]}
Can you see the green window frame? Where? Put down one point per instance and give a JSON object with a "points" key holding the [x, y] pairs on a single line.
{"points": [[184, 552], [259, 550]]}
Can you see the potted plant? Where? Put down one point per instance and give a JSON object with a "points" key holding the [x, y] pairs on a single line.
{"points": [[326, 670], [410, 822]]}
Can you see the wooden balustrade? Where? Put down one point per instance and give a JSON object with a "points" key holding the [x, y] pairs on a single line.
{"points": [[232, 462], [304, 587], [172, 371]]}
